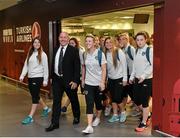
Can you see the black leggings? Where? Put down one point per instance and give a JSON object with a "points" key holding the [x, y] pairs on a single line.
{"points": [[34, 88], [92, 94], [142, 92], [116, 90]]}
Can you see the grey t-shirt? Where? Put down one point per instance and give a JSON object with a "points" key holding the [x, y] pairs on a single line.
{"points": [[93, 69]]}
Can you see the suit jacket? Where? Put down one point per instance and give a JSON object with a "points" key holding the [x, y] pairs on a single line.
{"points": [[71, 65]]}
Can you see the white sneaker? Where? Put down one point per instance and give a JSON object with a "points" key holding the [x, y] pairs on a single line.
{"points": [[88, 130], [96, 122], [122, 117], [107, 111]]}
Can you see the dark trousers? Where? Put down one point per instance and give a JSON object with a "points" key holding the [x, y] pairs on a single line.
{"points": [[59, 87], [142, 92], [115, 87], [34, 85]]}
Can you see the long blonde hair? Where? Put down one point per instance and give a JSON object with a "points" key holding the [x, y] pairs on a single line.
{"points": [[114, 51]]}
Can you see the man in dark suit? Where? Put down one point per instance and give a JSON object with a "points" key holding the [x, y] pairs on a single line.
{"points": [[65, 77]]}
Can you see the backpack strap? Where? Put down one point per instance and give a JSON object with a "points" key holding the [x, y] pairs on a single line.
{"points": [[147, 55], [101, 48], [99, 57], [129, 53], [136, 50]]}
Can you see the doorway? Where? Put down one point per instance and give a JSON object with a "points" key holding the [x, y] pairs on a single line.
{"points": [[111, 23]]}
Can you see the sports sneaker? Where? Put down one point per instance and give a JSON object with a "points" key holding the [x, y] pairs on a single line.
{"points": [[96, 122], [107, 111], [122, 117], [45, 112], [27, 120], [64, 109], [141, 127], [88, 130], [113, 119], [148, 121]]}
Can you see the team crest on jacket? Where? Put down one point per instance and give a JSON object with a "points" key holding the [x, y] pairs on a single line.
{"points": [[96, 57], [143, 53]]}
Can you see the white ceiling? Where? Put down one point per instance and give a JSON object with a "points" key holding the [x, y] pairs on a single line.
{"points": [[106, 18], [7, 3]]}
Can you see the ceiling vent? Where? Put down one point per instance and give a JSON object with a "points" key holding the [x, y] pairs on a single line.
{"points": [[141, 18]]}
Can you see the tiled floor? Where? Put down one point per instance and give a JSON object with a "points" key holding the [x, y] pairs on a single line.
{"points": [[15, 104]]}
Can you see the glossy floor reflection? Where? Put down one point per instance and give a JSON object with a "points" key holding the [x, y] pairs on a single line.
{"points": [[15, 104]]}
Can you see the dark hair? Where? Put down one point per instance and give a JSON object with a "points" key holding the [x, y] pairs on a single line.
{"points": [[31, 50], [76, 41], [102, 36], [149, 42], [146, 36], [143, 33]]}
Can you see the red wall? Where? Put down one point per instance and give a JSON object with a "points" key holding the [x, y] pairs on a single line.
{"points": [[167, 51], [171, 70], [158, 66]]}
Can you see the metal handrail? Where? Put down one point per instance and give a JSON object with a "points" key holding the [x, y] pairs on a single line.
{"points": [[17, 81]]}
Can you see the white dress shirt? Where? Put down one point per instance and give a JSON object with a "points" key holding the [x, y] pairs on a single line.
{"points": [[57, 59]]}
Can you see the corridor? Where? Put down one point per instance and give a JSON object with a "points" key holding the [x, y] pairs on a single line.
{"points": [[15, 104]]}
